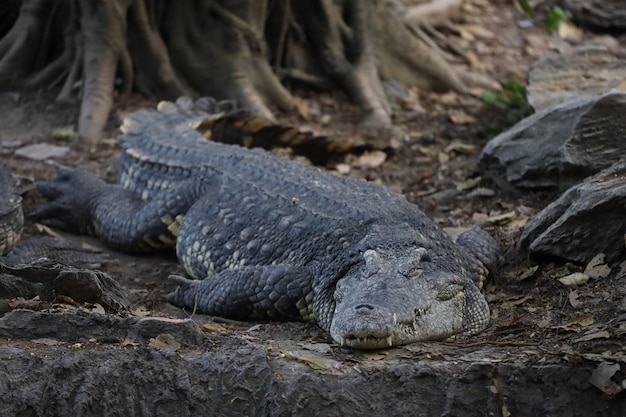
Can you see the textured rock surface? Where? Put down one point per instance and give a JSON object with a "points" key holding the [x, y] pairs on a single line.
{"points": [[562, 74], [230, 376], [560, 146], [599, 14], [586, 220]]}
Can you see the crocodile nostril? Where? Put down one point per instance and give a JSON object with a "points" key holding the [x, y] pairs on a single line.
{"points": [[364, 307]]}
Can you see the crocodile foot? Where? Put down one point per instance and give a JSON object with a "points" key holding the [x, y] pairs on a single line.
{"points": [[71, 194]]}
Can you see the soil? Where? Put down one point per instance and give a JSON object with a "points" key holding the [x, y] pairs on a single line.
{"points": [[551, 349]]}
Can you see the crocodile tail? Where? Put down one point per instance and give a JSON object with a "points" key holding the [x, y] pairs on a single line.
{"points": [[239, 128], [222, 121]]}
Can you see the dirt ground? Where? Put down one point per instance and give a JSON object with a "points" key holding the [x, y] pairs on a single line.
{"points": [[550, 349]]}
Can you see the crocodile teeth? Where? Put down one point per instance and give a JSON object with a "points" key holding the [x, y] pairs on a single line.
{"points": [[389, 343], [395, 319], [343, 341]]}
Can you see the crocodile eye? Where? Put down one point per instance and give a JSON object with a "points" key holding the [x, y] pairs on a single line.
{"points": [[449, 291], [413, 273]]}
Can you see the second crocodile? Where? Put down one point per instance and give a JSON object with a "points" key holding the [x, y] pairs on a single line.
{"points": [[270, 238]]}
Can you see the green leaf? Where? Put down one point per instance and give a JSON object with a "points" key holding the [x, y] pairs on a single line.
{"points": [[526, 8], [555, 16]]}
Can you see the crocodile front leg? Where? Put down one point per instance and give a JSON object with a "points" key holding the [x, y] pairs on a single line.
{"points": [[80, 202], [281, 292]]}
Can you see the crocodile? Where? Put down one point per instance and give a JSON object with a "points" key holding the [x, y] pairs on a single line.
{"points": [[11, 214], [269, 238]]}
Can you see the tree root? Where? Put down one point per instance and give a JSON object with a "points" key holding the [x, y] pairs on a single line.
{"points": [[221, 48]]}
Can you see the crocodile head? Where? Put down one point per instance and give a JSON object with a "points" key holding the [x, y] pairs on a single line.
{"points": [[394, 298]]}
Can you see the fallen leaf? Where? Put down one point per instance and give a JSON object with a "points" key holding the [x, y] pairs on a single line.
{"points": [[213, 328], [481, 192], [97, 308], [48, 231], [601, 378], [65, 134], [461, 147], [302, 107], [46, 341], [461, 118], [129, 343], [480, 32], [316, 364], [325, 119], [316, 347], [372, 159], [342, 169], [577, 324], [164, 342], [597, 267], [515, 302], [60, 298], [598, 334], [376, 356], [573, 299], [139, 312], [567, 30], [577, 278], [503, 218], [467, 184], [524, 274]]}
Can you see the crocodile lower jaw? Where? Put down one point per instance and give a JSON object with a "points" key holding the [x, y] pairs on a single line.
{"points": [[367, 342]]}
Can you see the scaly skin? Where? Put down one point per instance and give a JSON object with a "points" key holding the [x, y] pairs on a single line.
{"points": [[272, 238]]}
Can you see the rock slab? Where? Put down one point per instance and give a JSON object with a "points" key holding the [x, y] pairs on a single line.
{"points": [[587, 219], [560, 146], [223, 375]]}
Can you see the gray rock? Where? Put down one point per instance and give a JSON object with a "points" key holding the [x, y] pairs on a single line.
{"points": [[560, 146], [566, 73], [89, 373], [586, 220], [599, 14]]}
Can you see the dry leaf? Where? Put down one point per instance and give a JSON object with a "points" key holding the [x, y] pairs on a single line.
{"points": [[140, 312], [599, 334], [213, 328], [577, 324], [577, 278], [573, 299], [129, 343], [515, 302], [466, 34], [302, 107], [372, 159], [480, 32], [584, 321], [46, 341], [503, 218], [597, 267], [97, 308], [467, 184], [164, 342], [313, 363], [461, 147], [567, 30], [376, 356], [342, 169], [522, 274], [459, 117], [601, 378]]}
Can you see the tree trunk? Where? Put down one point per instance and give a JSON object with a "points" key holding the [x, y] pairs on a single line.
{"points": [[229, 49]]}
